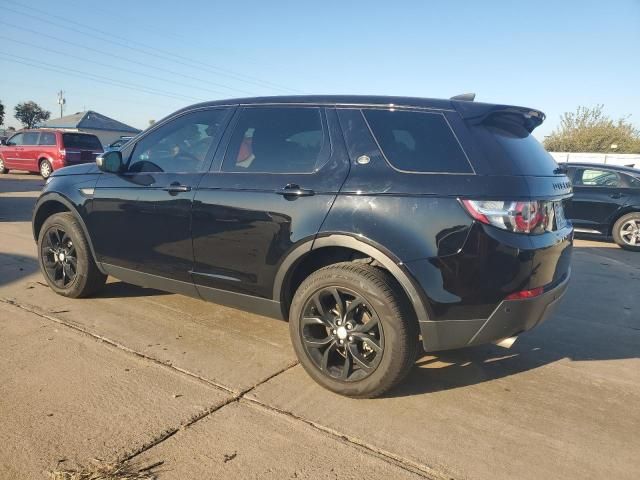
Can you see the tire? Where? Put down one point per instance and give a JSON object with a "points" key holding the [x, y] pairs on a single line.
{"points": [[61, 239], [387, 347], [626, 231], [3, 169], [45, 169]]}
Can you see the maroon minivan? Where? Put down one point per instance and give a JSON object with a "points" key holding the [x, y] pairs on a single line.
{"points": [[46, 150]]}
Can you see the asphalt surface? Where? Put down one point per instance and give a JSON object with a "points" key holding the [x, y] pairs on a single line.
{"points": [[213, 392]]}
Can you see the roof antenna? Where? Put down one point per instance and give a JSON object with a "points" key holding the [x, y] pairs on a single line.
{"points": [[465, 97]]}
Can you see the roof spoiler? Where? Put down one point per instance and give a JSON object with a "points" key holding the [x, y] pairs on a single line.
{"points": [[480, 112], [464, 97]]}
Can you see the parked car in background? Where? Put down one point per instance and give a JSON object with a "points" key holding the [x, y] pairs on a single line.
{"points": [[606, 202], [118, 144], [45, 150], [367, 222]]}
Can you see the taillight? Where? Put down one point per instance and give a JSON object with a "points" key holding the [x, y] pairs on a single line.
{"points": [[524, 294], [515, 216], [63, 153]]}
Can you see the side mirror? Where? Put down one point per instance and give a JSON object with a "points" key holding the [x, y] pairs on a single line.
{"points": [[3, 141], [110, 162]]}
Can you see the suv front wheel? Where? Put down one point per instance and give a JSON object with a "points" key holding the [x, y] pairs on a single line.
{"points": [[352, 329], [65, 257]]}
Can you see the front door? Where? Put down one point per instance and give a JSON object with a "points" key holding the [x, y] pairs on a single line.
{"points": [[11, 152], [140, 219], [269, 191], [597, 196]]}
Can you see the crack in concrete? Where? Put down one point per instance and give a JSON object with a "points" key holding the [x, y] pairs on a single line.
{"points": [[409, 465]]}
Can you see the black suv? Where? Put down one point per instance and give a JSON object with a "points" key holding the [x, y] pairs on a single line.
{"points": [[367, 222], [606, 202]]}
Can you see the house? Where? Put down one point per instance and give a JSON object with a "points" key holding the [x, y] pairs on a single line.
{"points": [[106, 129]]}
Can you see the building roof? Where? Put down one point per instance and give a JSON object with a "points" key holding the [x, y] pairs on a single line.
{"points": [[89, 120]]}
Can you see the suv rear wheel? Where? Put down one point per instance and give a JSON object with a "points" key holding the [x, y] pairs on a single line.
{"points": [[65, 258], [45, 169], [626, 231], [352, 329]]}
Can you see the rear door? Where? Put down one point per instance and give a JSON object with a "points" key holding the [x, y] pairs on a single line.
{"points": [[598, 194], [80, 147], [267, 192], [30, 152]]}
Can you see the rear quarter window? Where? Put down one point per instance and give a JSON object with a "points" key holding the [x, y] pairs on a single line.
{"points": [[417, 142], [81, 141]]}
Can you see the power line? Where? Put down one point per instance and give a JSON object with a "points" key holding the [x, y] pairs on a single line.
{"points": [[104, 65], [119, 57], [148, 50], [66, 71]]}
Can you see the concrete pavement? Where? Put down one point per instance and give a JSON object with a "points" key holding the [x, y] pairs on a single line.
{"points": [[215, 392]]}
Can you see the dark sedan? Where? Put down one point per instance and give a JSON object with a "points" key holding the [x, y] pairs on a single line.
{"points": [[606, 202]]}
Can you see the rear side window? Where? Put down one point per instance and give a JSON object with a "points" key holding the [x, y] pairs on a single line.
{"points": [[417, 142], [31, 138], [591, 177], [511, 148], [81, 140], [276, 140], [47, 138]]}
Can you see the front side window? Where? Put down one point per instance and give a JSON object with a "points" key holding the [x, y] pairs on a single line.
{"points": [[47, 138], [597, 178], [417, 142], [16, 140], [180, 145], [31, 138], [276, 140]]}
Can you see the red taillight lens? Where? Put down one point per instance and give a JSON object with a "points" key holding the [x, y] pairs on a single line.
{"points": [[524, 294], [515, 216], [63, 153]]}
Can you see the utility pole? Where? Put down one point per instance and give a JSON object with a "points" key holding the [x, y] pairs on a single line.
{"points": [[61, 101]]}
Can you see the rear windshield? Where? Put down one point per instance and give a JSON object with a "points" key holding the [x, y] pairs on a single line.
{"points": [[511, 149], [81, 140], [417, 142]]}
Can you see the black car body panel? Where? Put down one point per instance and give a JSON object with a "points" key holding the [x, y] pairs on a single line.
{"points": [[594, 207], [237, 237]]}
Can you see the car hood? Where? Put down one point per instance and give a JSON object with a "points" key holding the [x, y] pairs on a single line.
{"points": [[81, 169]]}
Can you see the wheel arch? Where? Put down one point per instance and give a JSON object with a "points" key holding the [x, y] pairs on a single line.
{"points": [[53, 203], [338, 247]]}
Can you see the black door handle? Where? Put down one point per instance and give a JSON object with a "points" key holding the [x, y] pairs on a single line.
{"points": [[294, 191], [617, 195], [176, 187]]}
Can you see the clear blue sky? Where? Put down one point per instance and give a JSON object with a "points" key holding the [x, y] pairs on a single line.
{"points": [[549, 54]]}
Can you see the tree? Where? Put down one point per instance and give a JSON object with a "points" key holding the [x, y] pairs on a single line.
{"points": [[590, 130], [30, 114], [1, 113]]}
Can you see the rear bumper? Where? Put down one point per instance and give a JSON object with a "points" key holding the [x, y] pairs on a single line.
{"points": [[510, 318]]}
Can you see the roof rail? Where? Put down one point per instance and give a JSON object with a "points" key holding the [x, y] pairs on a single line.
{"points": [[465, 97]]}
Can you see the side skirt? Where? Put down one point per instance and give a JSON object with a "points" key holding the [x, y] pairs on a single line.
{"points": [[257, 305]]}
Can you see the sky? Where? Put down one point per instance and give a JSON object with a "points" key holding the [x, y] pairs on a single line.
{"points": [[140, 61]]}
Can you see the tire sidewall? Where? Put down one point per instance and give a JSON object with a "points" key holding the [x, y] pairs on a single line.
{"points": [[46, 162], [64, 223], [385, 311], [617, 237]]}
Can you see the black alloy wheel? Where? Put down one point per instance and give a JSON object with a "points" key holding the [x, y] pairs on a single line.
{"points": [[59, 257], [342, 334]]}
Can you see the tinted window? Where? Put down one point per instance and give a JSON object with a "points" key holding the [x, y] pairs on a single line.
{"points": [[31, 138], [47, 138], [180, 145], [16, 139], [276, 140], [417, 142], [81, 141], [597, 178], [511, 148]]}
